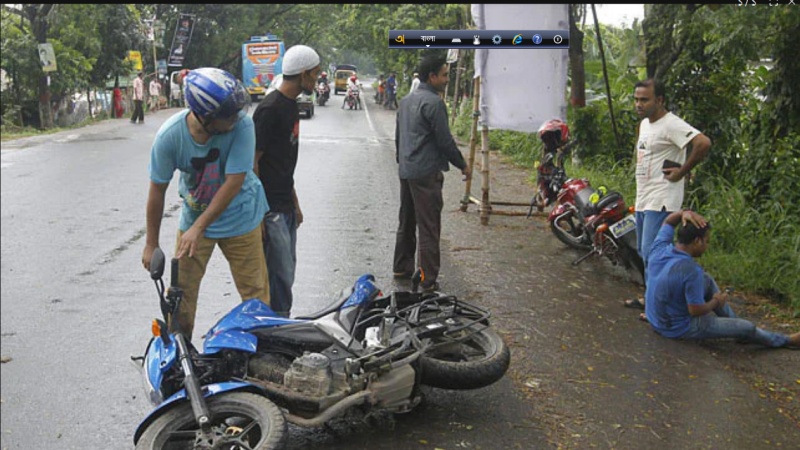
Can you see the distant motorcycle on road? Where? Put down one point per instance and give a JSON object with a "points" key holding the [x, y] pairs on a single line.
{"points": [[353, 98], [259, 370], [323, 93]]}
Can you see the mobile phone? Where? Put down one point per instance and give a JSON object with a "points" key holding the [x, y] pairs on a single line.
{"points": [[669, 164]]}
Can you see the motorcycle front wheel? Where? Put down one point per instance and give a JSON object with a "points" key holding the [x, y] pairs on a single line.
{"points": [[568, 230], [240, 420], [467, 359]]}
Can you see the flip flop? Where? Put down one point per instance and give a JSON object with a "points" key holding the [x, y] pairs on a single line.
{"points": [[634, 303], [643, 318]]}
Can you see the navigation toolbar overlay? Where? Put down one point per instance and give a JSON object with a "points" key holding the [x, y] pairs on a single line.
{"points": [[466, 39]]}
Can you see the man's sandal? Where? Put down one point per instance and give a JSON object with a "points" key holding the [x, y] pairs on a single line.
{"points": [[634, 303]]}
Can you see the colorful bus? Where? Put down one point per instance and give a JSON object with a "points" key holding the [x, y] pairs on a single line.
{"points": [[262, 57]]}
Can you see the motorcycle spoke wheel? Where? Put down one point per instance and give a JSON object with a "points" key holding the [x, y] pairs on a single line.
{"points": [[240, 421]]}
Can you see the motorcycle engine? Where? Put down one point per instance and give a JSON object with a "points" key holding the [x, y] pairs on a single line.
{"points": [[310, 374]]}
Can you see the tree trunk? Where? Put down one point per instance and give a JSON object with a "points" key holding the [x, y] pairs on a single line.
{"points": [[578, 85], [37, 14]]}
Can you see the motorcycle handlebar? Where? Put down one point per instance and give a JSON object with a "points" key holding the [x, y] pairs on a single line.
{"points": [[173, 276]]}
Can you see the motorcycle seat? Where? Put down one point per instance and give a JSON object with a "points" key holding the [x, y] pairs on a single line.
{"points": [[345, 294], [607, 200]]}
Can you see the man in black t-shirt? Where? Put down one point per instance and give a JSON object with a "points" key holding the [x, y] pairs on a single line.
{"points": [[277, 124]]}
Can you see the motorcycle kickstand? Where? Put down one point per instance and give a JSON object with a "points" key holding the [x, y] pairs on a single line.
{"points": [[584, 257]]}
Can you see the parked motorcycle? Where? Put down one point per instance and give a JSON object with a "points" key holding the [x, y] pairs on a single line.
{"points": [[596, 220], [550, 174], [259, 370], [323, 93]]}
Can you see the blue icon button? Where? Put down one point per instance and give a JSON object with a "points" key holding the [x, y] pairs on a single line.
{"points": [[537, 39], [517, 39]]}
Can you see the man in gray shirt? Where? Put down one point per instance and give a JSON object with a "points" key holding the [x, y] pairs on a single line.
{"points": [[425, 148]]}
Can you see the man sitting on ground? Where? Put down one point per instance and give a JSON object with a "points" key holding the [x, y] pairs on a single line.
{"points": [[683, 302]]}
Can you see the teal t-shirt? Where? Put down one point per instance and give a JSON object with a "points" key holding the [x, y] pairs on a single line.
{"points": [[203, 169]]}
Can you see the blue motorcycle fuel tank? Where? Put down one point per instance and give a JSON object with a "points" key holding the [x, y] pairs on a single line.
{"points": [[231, 331]]}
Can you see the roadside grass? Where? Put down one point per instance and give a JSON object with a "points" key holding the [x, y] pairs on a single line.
{"points": [[11, 132]]}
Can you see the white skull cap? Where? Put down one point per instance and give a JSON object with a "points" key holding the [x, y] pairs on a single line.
{"points": [[298, 59]]}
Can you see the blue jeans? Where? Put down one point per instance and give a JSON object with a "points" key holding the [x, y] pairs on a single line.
{"points": [[647, 225], [725, 324], [280, 248]]}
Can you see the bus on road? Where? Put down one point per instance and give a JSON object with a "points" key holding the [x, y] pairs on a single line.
{"points": [[262, 58]]}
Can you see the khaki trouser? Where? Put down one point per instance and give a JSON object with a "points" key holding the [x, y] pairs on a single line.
{"points": [[245, 256]]}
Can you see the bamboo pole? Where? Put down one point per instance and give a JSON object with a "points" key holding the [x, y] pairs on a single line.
{"points": [[486, 207], [473, 138], [455, 93]]}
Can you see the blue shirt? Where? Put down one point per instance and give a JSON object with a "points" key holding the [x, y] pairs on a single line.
{"points": [[674, 281], [203, 169]]}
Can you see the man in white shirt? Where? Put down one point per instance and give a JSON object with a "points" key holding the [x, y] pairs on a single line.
{"points": [[155, 92], [414, 82], [138, 98], [663, 140]]}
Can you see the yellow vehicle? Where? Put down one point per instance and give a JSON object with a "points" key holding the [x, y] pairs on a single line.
{"points": [[341, 75]]}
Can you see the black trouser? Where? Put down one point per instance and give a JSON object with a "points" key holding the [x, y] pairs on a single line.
{"points": [[138, 112], [420, 208]]}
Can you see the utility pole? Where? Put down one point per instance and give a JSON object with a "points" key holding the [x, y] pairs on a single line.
{"points": [[151, 36]]}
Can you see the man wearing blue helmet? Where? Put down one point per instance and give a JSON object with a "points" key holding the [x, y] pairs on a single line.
{"points": [[213, 145]]}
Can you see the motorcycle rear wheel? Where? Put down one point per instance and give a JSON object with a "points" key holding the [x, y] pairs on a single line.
{"points": [[475, 362], [241, 420], [630, 255]]}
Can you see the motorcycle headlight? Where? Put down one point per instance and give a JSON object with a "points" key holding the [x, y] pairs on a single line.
{"points": [[150, 385], [153, 394]]}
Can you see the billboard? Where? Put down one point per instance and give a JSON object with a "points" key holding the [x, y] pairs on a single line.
{"points": [[180, 42], [521, 88], [261, 63]]}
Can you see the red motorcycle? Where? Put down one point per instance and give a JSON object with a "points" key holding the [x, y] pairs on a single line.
{"points": [[550, 174], [596, 220]]}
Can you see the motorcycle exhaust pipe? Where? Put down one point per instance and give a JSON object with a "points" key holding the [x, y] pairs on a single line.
{"points": [[334, 411]]}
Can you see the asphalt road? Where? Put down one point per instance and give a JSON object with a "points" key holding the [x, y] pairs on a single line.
{"points": [[76, 304]]}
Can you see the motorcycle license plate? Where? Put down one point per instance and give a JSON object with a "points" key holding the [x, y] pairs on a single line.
{"points": [[624, 226]]}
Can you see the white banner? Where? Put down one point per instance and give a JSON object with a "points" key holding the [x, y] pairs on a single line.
{"points": [[521, 88]]}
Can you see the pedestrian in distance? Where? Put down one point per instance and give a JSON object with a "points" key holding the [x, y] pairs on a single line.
{"points": [[155, 93], [424, 149], [212, 144], [138, 99], [414, 83], [391, 92], [277, 123], [683, 302], [663, 141]]}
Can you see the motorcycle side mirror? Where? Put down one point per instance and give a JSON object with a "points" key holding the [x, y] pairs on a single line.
{"points": [[157, 264]]}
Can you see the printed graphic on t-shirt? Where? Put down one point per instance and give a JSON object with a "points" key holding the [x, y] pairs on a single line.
{"points": [[642, 158], [207, 181]]}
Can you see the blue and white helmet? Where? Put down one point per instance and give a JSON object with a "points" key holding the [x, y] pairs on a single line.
{"points": [[213, 93]]}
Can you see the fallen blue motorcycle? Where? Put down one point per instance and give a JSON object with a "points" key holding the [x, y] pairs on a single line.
{"points": [[258, 370]]}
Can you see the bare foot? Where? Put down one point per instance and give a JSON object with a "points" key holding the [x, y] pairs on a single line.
{"points": [[794, 340]]}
